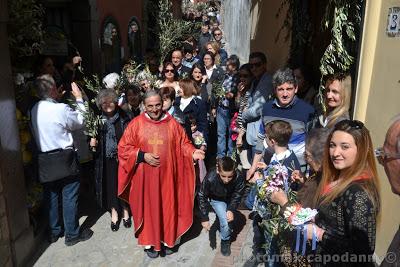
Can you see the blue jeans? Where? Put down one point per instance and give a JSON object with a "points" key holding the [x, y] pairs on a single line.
{"points": [[249, 201], [223, 123], [220, 209], [68, 190]]}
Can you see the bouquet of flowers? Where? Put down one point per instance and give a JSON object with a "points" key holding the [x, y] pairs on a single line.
{"points": [[297, 215], [275, 177], [199, 140]]}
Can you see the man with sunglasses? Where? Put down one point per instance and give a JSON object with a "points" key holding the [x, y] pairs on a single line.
{"points": [[258, 94], [217, 34], [389, 157]]}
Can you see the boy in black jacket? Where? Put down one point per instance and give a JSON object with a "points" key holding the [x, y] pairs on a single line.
{"points": [[222, 188]]}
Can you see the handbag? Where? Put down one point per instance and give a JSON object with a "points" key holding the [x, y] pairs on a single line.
{"points": [[233, 127], [57, 164]]}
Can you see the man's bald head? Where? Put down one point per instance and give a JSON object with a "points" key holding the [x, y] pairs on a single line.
{"points": [[391, 158]]}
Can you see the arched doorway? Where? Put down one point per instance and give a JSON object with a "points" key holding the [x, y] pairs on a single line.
{"points": [[135, 40], [111, 45]]}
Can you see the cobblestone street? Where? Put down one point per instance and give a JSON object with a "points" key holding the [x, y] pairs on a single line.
{"points": [[107, 248]]}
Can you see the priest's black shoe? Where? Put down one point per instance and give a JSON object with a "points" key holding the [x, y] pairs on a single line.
{"points": [[152, 253], [169, 251]]}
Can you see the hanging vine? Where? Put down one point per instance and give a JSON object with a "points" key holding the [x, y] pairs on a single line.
{"points": [[343, 18], [297, 25]]}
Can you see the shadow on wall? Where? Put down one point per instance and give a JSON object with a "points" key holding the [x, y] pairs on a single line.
{"points": [[16, 231], [265, 26]]}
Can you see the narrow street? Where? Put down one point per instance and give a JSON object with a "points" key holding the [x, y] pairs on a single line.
{"points": [[106, 248]]}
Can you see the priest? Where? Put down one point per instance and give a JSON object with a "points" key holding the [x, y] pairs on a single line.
{"points": [[156, 176]]}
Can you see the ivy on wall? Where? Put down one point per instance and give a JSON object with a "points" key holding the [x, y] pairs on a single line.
{"points": [[342, 18], [25, 33], [297, 25]]}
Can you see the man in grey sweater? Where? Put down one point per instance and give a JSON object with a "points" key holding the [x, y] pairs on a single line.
{"points": [[260, 91]]}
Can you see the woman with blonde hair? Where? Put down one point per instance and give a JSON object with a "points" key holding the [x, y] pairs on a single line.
{"points": [[347, 198], [336, 100], [220, 54]]}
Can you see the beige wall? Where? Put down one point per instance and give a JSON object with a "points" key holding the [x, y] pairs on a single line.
{"points": [[264, 30], [377, 101]]}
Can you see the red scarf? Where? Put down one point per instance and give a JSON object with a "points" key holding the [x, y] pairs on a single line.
{"points": [[365, 175]]}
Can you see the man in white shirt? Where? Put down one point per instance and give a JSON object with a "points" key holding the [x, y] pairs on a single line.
{"points": [[52, 125]]}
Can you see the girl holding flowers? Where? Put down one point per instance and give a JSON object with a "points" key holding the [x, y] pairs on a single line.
{"points": [[347, 199]]}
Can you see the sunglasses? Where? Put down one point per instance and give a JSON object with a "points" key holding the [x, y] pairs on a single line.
{"points": [[168, 70], [217, 34], [354, 124], [256, 65]]}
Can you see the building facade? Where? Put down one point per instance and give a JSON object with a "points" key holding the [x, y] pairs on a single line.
{"points": [[377, 99], [80, 28]]}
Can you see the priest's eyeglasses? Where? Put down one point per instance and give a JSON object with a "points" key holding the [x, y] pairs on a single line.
{"points": [[383, 156]]}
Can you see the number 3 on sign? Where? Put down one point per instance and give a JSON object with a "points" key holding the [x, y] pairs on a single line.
{"points": [[394, 21]]}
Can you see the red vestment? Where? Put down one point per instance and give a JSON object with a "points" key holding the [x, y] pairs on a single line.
{"points": [[161, 198]]}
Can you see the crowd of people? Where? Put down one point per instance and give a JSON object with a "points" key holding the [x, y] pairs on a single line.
{"points": [[201, 139]]}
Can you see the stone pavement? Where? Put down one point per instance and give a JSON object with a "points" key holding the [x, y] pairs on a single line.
{"points": [[107, 248]]}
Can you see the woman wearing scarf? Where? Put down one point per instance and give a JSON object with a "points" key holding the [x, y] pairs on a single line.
{"points": [[106, 171]]}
